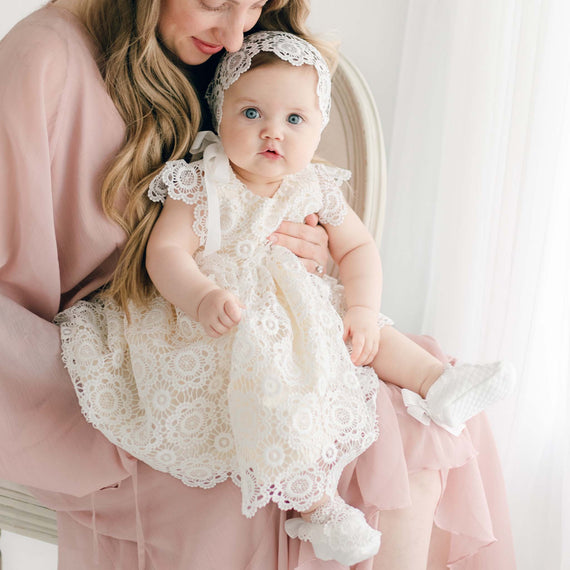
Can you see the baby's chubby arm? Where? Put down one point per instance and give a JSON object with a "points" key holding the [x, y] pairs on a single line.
{"points": [[353, 249], [174, 272]]}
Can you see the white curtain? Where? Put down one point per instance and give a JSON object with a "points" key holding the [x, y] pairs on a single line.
{"points": [[476, 248]]}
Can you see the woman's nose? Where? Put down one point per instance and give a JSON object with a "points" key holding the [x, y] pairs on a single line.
{"points": [[232, 34]]}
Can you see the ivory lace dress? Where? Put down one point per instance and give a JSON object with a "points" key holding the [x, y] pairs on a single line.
{"points": [[275, 404]]}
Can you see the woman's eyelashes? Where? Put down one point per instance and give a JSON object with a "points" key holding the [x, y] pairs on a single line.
{"points": [[212, 7]]}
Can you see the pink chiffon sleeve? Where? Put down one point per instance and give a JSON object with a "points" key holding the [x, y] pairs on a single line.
{"points": [[44, 440]]}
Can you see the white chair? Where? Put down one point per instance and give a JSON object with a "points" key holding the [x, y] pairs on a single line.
{"points": [[21, 513], [353, 140]]}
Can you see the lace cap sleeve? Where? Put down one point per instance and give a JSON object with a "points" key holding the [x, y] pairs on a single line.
{"points": [[331, 179], [182, 181]]}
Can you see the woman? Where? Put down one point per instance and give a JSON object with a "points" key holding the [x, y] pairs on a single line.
{"points": [[65, 134]]}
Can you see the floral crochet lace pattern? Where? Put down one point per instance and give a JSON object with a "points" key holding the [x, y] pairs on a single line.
{"points": [[275, 404]]}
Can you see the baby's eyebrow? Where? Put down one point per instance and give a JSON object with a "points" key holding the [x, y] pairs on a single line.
{"points": [[290, 109], [248, 100]]}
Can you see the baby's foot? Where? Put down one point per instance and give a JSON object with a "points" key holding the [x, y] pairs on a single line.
{"points": [[460, 393], [338, 532]]}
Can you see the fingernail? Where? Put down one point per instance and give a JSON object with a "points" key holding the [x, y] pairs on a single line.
{"points": [[272, 239]]}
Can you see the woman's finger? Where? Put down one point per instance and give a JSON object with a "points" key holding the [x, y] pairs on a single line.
{"points": [[313, 267], [317, 254], [312, 220], [312, 234], [307, 242]]}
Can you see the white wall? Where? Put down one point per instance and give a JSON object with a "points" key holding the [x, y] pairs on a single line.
{"points": [[11, 12], [23, 553], [370, 34]]}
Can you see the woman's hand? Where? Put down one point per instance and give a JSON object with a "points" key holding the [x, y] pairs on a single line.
{"points": [[361, 326], [308, 241], [218, 312]]}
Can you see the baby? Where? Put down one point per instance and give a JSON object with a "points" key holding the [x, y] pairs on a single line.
{"points": [[262, 372]]}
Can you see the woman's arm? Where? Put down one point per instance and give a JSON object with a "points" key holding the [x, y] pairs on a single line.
{"points": [[171, 266], [353, 249], [45, 442]]}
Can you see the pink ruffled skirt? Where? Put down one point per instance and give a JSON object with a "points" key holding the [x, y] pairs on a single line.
{"points": [[154, 521]]}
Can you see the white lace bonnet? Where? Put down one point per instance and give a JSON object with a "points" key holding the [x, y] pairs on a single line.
{"points": [[287, 47]]}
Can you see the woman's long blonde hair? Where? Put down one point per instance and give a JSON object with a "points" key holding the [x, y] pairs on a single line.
{"points": [[162, 114]]}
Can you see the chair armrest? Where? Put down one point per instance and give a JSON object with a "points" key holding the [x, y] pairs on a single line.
{"points": [[21, 513]]}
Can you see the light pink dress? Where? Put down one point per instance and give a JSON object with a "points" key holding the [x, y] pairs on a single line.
{"points": [[58, 131]]}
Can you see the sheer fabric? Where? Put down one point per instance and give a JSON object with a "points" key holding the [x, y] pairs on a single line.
{"points": [[477, 227]]}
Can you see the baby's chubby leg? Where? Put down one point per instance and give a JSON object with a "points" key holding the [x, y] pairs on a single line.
{"points": [[404, 363], [432, 391]]}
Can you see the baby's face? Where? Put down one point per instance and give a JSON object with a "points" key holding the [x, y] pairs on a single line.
{"points": [[271, 122]]}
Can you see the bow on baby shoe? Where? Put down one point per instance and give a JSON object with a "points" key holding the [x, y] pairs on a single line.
{"points": [[419, 409], [416, 406]]}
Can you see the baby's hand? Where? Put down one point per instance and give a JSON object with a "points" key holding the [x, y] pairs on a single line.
{"points": [[218, 312], [360, 324]]}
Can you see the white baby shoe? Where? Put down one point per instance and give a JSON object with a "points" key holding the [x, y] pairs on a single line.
{"points": [[460, 393], [338, 532]]}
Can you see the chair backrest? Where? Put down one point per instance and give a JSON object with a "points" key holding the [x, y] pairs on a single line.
{"points": [[352, 140]]}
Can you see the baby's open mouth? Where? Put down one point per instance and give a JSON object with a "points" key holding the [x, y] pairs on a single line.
{"points": [[271, 152]]}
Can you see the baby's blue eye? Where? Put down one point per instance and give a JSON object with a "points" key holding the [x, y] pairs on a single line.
{"points": [[251, 113], [295, 119]]}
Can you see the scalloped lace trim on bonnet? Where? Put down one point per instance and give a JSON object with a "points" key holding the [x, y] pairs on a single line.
{"points": [[287, 47]]}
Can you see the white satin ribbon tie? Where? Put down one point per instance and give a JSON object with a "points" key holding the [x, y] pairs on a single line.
{"points": [[217, 171]]}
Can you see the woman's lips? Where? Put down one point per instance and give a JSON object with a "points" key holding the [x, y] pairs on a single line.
{"points": [[206, 48]]}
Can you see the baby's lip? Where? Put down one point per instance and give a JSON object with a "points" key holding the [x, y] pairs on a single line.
{"points": [[271, 152]]}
